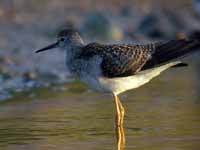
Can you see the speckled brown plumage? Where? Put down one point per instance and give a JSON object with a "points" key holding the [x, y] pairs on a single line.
{"points": [[119, 60], [125, 60]]}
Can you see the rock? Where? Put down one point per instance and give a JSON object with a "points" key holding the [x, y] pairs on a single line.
{"points": [[6, 60], [150, 27], [29, 76], [5, 73], [14, 83], [32, 84], [181, 36], [196, 6], [126, 11], [5, 95], [98, 27], [195, 34]]}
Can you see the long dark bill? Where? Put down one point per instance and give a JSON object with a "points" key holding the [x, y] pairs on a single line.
{"points": [[52, 46]]}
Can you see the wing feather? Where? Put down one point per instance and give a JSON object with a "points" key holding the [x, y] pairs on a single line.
{"points": [[125, 59], [119, 60]]}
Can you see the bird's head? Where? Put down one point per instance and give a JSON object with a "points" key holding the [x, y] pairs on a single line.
{"points": [[67, 38]]}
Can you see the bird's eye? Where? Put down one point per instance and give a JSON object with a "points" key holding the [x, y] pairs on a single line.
{"points": [[62, 39]]}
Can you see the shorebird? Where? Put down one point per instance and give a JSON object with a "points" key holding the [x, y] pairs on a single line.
{"points": [[120, 67]]}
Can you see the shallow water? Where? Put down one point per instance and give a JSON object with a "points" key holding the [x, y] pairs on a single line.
{"points": [[159, 116]]}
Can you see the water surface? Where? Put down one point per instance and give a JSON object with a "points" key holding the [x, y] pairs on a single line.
{"points": [[159, 116]]}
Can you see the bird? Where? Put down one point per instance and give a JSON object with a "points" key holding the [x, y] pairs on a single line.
{"points": [[116, 68]]}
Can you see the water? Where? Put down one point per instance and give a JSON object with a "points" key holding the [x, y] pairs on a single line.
{"points": [[159, 116]]}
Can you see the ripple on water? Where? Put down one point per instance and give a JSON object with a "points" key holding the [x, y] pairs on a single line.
{"points": [[75, 118]]}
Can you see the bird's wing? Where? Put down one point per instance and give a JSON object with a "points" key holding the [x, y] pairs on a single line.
{"points": [[125, 60], [166, 52], [119, 60]]}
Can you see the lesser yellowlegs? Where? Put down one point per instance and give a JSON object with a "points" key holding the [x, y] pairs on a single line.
{"points": [[119, 67]]}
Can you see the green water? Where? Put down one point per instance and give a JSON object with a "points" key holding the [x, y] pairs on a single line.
{"points": [[159, 116]]}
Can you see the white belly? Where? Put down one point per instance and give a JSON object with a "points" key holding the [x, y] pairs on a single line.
{"points": [[121, 84]]}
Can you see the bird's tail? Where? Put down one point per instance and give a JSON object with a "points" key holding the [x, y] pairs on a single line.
{"points": [[175, 49]]}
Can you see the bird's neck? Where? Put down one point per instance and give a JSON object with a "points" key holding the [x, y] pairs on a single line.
{"points": [[74, 48], [72, 52]]}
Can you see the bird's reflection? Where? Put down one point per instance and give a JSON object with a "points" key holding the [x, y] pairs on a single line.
{"points": [[120, 135]]}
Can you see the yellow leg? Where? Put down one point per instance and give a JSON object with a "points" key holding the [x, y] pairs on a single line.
{"points": [[119, 123], [119, 111], [120, 135], [122, 110]]}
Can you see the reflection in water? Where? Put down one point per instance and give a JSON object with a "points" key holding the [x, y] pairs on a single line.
{"points": [[120, 135], [161, 115]]}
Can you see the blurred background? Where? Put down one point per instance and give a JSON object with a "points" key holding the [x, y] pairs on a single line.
{"points": [[27, 25]]}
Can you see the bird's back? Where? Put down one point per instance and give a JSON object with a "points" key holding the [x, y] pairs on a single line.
{"points": [[121, 60], [118, 60]]}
